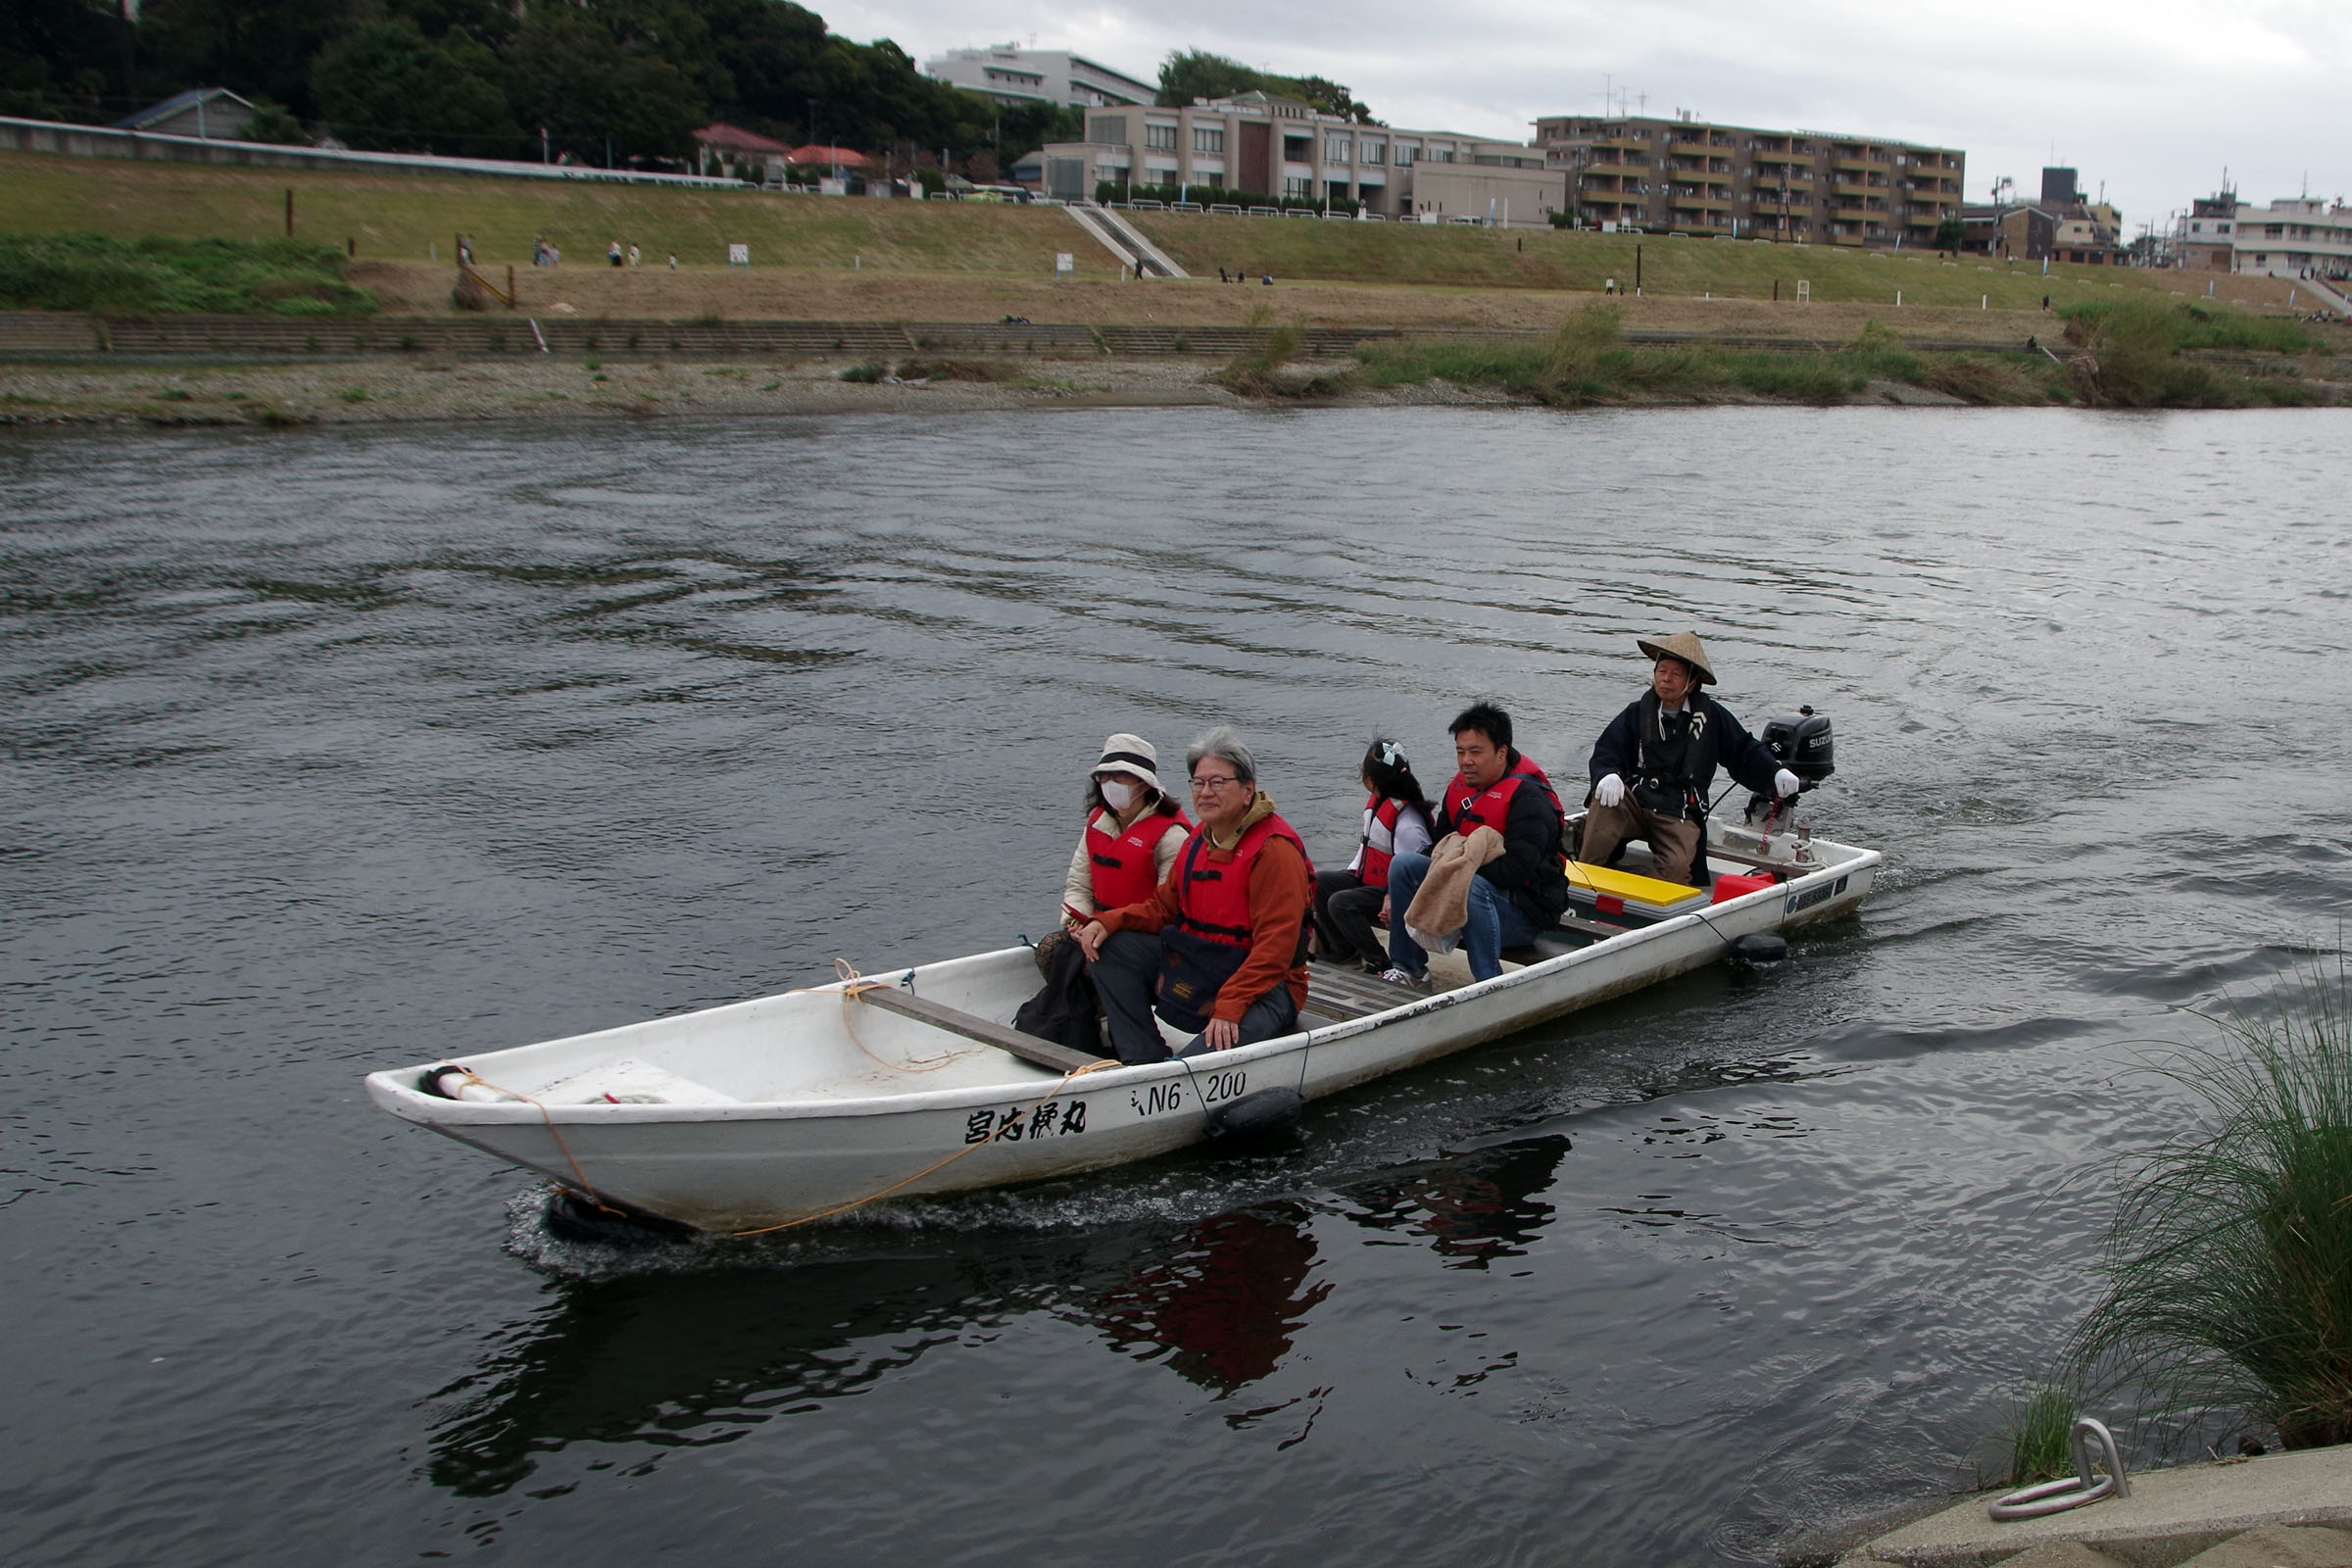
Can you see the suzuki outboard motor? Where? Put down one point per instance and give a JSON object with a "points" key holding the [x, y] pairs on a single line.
{"points": [[1799, 742]]}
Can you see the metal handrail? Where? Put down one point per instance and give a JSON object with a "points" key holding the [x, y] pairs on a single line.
{"points": [[2072, 1492]]}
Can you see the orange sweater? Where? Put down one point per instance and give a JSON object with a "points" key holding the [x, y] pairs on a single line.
{"points": [[1279, 890]]}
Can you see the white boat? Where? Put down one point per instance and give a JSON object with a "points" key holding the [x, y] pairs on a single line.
{"points": [[769, 1112]]}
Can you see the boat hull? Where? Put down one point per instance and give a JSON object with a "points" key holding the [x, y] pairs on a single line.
{"points": [[945, 1116]]}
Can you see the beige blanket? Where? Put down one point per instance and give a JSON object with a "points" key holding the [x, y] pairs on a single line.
{"points": [[1441, 908]]}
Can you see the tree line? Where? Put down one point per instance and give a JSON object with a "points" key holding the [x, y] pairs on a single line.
{"points": [[605, 82], [1189, 73]]}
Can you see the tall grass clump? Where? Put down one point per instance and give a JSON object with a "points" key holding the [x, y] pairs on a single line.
{"points": [[1877, 354], [1980, 378], [1261, 372], [1468, 364], [1573, 369], [101, 274], [2194, 326], [2134, 355], [2228, 1264], [2040, 1436]]}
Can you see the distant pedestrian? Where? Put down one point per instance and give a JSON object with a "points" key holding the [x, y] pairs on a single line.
{"points": [[1268, 280], [612, 252], [1221, 277], [635, 256], [673, 261]]}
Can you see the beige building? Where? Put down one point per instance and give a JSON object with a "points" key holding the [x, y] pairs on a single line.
{"points": [[1704, 178], [1252, 149]]}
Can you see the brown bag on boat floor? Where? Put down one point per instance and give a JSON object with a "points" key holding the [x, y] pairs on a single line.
{"points": [[1065, 1011]]}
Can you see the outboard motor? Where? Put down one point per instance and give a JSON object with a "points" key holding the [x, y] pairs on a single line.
{"points": [[1799, 742]]}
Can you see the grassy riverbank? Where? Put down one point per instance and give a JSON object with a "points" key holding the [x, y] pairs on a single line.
{"points": [[414, 219], [106, 276], [2133, 357]]}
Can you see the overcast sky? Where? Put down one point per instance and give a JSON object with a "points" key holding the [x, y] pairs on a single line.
{"points": [[2155, 97]]}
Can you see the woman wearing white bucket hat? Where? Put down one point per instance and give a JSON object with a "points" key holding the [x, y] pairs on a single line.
{"points": [[1132, 832]]}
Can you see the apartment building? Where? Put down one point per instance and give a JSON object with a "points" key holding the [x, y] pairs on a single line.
{"points": [[1253, 144], [2298, 236], [1687, 173], [2294, 236], [1014, 76]]}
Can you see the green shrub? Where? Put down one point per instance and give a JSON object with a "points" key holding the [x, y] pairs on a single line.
{"points": [[867, 372], [2228, 1262]]}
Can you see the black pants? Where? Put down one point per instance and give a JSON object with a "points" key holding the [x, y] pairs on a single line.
{"points": [[1345, 912], [1125, 977]]}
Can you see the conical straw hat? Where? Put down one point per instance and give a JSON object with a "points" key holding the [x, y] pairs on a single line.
{"points": [[1683, 644]]}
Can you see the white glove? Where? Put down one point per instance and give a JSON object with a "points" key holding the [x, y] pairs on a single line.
{"points": [[1610, 791], [1786, 784]]}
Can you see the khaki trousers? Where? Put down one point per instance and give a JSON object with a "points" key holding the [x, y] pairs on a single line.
{"points": [[1673, 841]]}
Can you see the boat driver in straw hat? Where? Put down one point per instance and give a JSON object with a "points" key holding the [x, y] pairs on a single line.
{"points": [[1655, 764]]}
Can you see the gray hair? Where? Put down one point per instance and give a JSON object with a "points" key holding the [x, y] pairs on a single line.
{"points": [[1222, 742]]}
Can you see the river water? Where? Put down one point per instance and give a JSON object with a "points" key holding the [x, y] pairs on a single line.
{"points": [[332, 751]]}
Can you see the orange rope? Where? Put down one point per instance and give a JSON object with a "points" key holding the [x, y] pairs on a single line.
{"points": [[937, 1164], [853, 985], [568, 1158]]}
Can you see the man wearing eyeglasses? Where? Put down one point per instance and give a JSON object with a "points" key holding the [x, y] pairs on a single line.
{"points": [[1221, 947]]}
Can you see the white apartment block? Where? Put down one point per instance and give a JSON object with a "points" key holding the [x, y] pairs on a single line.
{"points": [[1015, 75], [1253, 145], [2299, 236]]}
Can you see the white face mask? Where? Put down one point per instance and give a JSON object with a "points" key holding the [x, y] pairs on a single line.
{"points": [[1118, 797]]}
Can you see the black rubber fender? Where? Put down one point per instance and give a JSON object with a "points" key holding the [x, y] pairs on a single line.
{"points": [[1258, 1114]]}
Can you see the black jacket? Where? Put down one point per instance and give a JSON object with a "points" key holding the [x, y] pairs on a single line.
{"points": [[1529, 867], [1671, 772]]}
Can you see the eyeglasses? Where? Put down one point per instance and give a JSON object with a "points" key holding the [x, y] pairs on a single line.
{"points": [[1213, 783]]}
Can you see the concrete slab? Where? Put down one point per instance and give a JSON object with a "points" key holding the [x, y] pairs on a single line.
{"points": [[2171, 1516], [2062, 1554], [2279, 1546]]}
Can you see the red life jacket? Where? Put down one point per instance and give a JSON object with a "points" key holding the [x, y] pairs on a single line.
{"points": [[1467, 809], [1212, 899], [1123, 867], [1208, 941], [1372, 870]]}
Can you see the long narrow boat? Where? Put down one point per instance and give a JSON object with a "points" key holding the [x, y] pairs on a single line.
{"points": [[769, 1112]]}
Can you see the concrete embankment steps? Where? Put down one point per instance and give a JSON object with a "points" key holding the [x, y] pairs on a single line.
{"points": [[2282, 1510], [1125, 241], [33, 336]]}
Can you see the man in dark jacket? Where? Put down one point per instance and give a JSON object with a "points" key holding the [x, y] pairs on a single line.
{"points": [[1521, 891], [1655, 762]]}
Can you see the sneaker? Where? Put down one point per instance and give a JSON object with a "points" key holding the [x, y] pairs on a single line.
{"points": [[1406, 977]]}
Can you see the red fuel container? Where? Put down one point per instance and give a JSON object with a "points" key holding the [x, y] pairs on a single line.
{"points": [[1729, 887]]}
